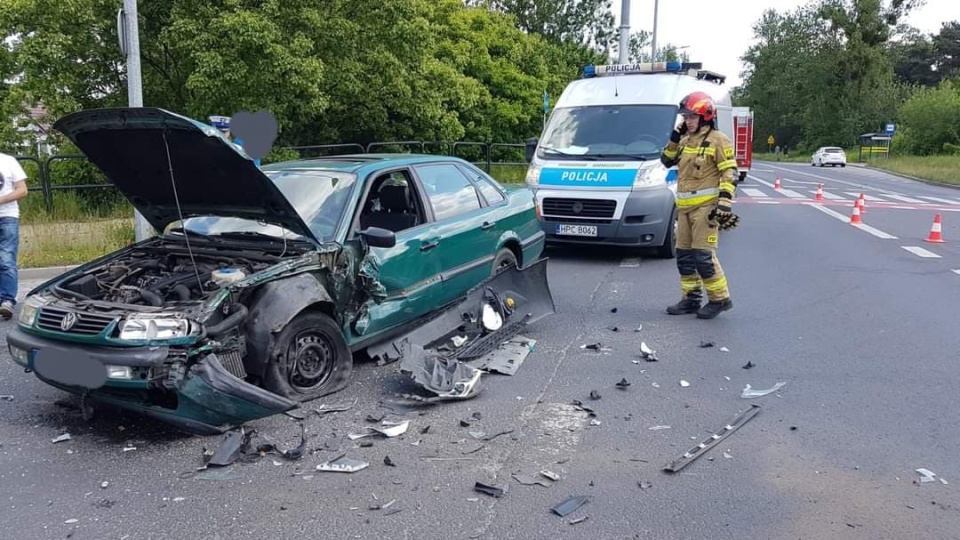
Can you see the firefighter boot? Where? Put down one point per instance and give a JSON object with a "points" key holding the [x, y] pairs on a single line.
{"points": [[712, 309], [690, 304]]}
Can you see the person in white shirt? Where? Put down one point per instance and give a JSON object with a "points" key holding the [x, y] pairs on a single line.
{"points": [[13, 187]]}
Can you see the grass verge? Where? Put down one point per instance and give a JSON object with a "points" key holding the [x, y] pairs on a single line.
{"points": [[942, 169], [67, 243]]}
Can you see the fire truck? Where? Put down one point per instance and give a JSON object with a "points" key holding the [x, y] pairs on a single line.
{"points": [[743, 139]]}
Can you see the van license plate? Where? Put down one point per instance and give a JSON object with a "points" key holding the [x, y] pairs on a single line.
{"points": [[577, 230]]}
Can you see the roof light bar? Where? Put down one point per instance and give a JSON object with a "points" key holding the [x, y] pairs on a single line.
{"points": [[642, 67]]}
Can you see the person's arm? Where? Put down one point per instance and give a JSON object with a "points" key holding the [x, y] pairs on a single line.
{"points": [[670, 155], [19, 178], [727, 165]]}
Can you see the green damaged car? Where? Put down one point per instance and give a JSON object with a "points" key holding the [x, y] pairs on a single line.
{"points": [[263, 281]]}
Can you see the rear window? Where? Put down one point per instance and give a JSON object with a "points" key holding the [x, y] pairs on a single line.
{"points": [[833, 150]]}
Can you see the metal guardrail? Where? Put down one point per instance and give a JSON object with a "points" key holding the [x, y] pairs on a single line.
{"points": [[481, 154]]}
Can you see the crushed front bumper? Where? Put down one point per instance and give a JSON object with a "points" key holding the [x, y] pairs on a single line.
{"points": [[199, 397]]}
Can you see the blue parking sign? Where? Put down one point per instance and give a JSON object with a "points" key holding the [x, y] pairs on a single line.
{"points": [[891, 128]]}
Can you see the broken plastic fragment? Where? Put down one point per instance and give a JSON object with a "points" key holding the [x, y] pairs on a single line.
{"points": [[6, 397], [458, 341], [658, 428], [61, 438], [488, 490], [684, 383], [551, 475], [927, 476], [706, 344], [728, 456], [623, 384], [594, 395], [748, 365], [343, 464], [529, 480], [647, 353], [594, 422], [229, 449], [748, 392], [388, 462], [568, 506], [645, 485], [724, 349], [393, 430]]}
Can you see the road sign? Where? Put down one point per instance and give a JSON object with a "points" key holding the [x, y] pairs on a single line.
{"points": [[890, 129], [771, 140]]}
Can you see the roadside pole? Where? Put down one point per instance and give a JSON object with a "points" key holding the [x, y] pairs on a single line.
{"points": [[130, 45]]}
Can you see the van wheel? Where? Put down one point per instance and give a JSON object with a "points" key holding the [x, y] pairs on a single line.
{"points": [[669, 248]]}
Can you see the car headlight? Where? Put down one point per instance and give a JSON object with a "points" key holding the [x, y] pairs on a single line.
{"points": [[648, 177], [28, 313], [533, 175], [144, 327]]}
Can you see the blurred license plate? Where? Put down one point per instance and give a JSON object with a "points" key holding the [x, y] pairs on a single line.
{"points": [[577, 230]]}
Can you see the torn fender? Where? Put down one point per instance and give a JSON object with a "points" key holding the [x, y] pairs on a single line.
{"points": [[526, 291]]}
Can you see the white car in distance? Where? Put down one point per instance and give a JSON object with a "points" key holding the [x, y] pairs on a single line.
{"points": [[829, 155]]}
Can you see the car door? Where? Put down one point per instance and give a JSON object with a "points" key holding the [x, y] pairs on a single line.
{"points": [[466, 248], [409, 272]]}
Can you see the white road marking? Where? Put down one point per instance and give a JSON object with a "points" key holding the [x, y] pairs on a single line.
{"points": [[901, 198], [957, 271], [851, 184], [755, 179], [865, 228], [753, 192], [901, 207], [938, 199], [767, 201], [920, 252], [632, 262], [856, 195], [792, 194]]}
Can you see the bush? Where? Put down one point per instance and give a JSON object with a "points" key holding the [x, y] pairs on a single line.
{"points": [[930, 120]]}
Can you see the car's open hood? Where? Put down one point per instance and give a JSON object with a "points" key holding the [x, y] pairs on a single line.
{"points": [[212, 176]]}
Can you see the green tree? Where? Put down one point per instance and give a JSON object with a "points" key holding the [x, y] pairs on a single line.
{"points": [[585, 22]]}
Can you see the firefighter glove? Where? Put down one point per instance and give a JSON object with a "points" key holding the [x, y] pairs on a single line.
{"points": [[723, 210], [678, 132]]}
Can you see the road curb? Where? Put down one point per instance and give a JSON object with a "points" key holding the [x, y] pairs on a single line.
{"points": [[921, 180], [44, 272]]}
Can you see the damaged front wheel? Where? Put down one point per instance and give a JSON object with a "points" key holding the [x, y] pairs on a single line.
{"points": [[310, 359]]}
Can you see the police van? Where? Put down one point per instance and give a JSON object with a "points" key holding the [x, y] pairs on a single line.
{"points": [[596, 168]]}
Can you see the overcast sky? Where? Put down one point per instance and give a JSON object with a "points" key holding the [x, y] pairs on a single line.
{"points": [[721, 47]]}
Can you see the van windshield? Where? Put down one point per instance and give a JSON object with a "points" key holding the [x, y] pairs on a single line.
{"points": [[608, 131]]}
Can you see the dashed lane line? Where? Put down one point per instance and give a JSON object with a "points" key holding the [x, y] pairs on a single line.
{"points": [[863, 227], [957, 271], [920, 252]]}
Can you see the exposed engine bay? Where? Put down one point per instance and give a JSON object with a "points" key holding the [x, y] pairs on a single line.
{"points": [[157, 278]]}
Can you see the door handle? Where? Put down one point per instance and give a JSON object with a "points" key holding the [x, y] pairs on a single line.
{"points": [[427, 246], [487, 225]]}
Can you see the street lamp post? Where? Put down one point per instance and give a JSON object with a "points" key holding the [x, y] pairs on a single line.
{"points": [[656, 8], [625, 31], [130, 45]]}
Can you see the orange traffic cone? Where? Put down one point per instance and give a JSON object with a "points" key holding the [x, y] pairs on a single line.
{"points": [[855, 217], [776, 184], [819, 196], [862, 201], [936, 232]]}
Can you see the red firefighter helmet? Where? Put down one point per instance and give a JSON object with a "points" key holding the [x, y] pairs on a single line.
{"points": [[699, 103]]}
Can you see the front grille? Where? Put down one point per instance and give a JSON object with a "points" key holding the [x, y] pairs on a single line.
{"points": [[588, 208], [558, 219], [87, 324]]}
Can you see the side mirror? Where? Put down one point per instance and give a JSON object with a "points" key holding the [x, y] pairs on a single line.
{"points": [[531, 148], [377, 237]]}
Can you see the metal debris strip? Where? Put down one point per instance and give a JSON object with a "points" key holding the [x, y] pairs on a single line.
{"points": [[61, 438], [488, 490], [568, 506], [343, 464], [691, 455]]}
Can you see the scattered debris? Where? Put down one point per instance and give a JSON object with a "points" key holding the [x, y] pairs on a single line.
{"points": [[508, 357], [691, 455], [129, 448], [658, 428], [476, 416], [647, 353], [639, 328], [6, 397], [71, 521], [448, 378], [594, 422], [926, 476], [61, 438], [374, 418], [594, 395], [230, 448], [458, 341], [529, 480], [551, 475], [645, 485], [655, 385], [388, 462], [793, 428], [335, 408], [579, 520], [343, 464], [297, 414], [584, 408], [488, 490], [596, 347], [749, 365], [492, 437], [614, 310], [568, 506], [615, 329], [706, 344], [684, 383], [727, 455], [724, 349], [623, 384], [748, 392], [943, 481]]}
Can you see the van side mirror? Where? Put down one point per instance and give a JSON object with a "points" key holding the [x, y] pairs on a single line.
{"points": [[377, 237], [531, 148]]}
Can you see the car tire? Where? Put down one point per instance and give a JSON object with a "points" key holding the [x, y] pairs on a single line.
{"points": [[843, 165], [504, 259], [309, 359], [668, 250]]}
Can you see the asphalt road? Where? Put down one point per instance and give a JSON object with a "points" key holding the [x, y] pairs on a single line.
{"points": [[861, 330]]}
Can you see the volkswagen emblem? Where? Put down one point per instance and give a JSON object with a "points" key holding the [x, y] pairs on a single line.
{"points": [[577, 207], [68, 321]]}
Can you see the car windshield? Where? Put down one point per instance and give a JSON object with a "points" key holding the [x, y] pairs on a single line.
{"points": [[608, 131], [318, 196]]}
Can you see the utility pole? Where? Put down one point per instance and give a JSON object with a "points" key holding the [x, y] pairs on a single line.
{"points": [[656, 8], [625, 32], [130, 45]]}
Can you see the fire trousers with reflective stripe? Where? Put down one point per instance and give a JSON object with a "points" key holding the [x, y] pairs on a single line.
{"points": [[697, 261]]}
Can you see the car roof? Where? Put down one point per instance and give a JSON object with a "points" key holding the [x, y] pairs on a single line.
{"points": [[361, 164]]}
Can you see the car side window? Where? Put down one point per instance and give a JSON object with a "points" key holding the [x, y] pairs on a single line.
{"points": [[449, 191], [490, 192], [392, 204]]}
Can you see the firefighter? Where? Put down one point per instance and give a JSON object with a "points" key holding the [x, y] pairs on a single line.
{"points": [[707, 168]]}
